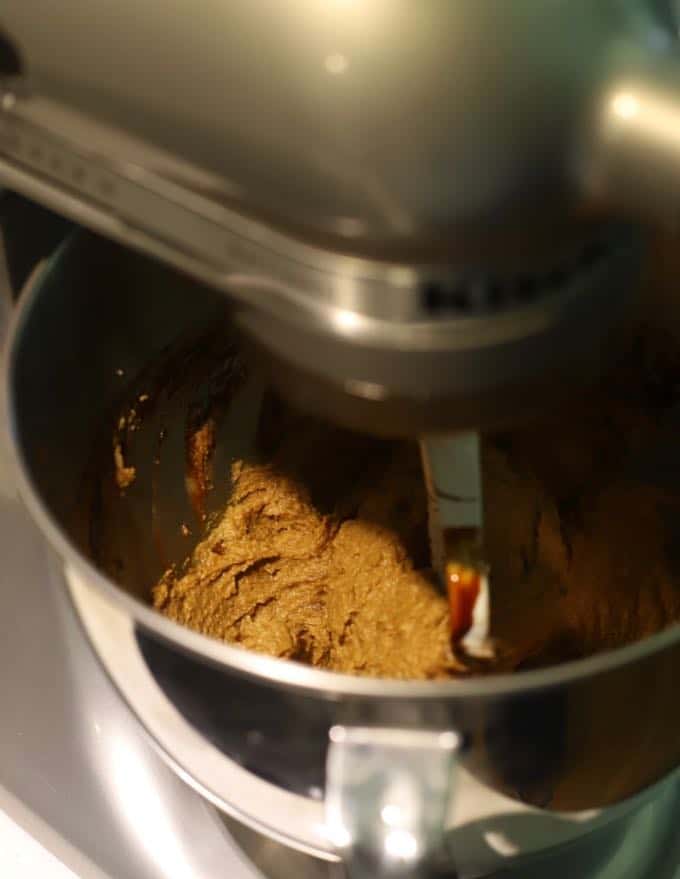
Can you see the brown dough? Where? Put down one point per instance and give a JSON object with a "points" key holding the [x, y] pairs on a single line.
{"points": [[278, 576], [321, 554]]}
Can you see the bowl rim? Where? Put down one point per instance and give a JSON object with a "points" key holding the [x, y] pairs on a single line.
{"points": [[267, 669]]}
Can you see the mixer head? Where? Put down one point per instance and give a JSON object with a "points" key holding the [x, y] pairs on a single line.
{"points": [[424, 212]]}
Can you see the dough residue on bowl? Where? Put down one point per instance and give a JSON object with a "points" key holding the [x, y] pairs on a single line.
{"points": [[321, 552]]}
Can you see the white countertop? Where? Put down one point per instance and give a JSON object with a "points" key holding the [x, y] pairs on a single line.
{"points": [[21, 857], [30, 848]]}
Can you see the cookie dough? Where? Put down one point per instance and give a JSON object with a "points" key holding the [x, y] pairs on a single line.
{"points": [[321, 553]]}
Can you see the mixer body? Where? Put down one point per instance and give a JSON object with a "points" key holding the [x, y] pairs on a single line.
{"points": [[424, 217], [416, 210]]}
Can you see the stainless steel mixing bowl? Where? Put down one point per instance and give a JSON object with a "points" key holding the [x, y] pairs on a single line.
{"points": [[249, 731]]}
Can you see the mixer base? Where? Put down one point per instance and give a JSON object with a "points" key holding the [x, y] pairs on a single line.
{"points": [[644, 846]]}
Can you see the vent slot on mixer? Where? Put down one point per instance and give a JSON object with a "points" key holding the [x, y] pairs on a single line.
{"points": [[484, 295], [10, 61]]}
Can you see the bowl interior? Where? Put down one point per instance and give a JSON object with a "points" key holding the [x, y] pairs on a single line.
{"points": [[117, 361]]}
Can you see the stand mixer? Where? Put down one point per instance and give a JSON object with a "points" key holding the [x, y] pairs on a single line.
{"points": [[412, 209], [426, 217]]}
